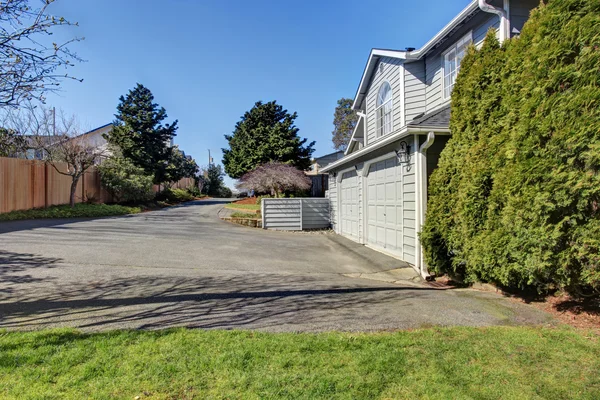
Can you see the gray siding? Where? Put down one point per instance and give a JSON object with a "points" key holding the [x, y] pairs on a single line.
{"points": [[332, 196], [434, 152], [414, 89], [409, 208], [295, 214], [391, 73], [519, 13], [480, 24], [315, 213], [281, 214]]}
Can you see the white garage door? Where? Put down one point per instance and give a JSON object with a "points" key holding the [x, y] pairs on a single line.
{"points": [[349, 204], [384, 206]]}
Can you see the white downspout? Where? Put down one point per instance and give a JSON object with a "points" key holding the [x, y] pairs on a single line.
{"points": [[500, 12], [422, 200]]}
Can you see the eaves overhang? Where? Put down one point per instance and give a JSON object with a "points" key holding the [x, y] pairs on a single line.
{"points": [[407, 130]]}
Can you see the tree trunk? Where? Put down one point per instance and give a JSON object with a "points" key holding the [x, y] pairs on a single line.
{"points": [[73, 190]]}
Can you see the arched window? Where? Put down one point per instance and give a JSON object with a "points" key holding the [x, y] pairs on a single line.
{"points": [[383, 109]]}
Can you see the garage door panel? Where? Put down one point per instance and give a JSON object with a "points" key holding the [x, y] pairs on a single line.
{"points": [[380, 235], [390, 216], [349, 204], [390, 192], [384, 205], [391, 239]]}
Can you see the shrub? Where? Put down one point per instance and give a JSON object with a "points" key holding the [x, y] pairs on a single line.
{"points": [[194, 190], [80, 210], [224, 192], [124, 181], [174, 196], [516, 197]]}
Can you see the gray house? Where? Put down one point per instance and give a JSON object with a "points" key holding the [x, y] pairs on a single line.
{"points": [[378, 190]]}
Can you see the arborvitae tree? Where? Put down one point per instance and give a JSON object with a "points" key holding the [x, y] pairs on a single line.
{"points": [[140, 135], [344, 121], [266, 133], [516, 197]]}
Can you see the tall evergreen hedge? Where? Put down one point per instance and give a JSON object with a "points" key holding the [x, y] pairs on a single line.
{"points": [[516, 197]]}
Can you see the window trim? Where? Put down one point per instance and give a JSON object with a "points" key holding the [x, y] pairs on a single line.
{"points": [[443, 57], [378, 126]]}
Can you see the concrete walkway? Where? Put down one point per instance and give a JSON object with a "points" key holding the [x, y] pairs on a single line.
{"points": [[183, 266]]}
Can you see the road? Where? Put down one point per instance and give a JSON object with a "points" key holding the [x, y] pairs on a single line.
{"points": [[183, 266]]}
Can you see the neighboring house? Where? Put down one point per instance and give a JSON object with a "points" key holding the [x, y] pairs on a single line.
{"points": [[320, 181], [95, 138], [319, 163], [378, 190]]}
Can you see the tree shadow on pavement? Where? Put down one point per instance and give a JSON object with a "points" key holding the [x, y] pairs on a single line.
{"points": [[252, 302], [14, 268]]}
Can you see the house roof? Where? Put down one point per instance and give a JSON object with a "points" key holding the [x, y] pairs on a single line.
{"points": [[336, 154], [436, 119], [97, 129], [376, 54]]}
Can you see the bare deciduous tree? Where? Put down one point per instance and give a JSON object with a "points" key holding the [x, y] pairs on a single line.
{"points": [[274, 178], [30, 61], [61, 142]]}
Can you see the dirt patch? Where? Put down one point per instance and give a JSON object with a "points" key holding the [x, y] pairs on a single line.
{"points": [[583, 312], [247, 200], [578, 312]]}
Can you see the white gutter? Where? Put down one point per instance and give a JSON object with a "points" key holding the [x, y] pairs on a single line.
{"points": [[381, 143], [501, 13], [422, 200], [417, 54]]}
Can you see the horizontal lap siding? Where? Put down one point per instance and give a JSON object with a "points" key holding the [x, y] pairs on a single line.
{"points": [[391, 74], [409, 209], [315, 213], [295, 214], [414, 89], [332, 195], [519, 13], [479, 25]]}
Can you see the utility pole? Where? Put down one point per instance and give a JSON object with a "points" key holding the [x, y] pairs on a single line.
{"points": [[53, 121], [209, 158]]}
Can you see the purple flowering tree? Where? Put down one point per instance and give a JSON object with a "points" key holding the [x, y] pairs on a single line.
{"points": [[275, 178]]}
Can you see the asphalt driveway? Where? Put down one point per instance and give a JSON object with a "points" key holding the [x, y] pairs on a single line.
{"points": [[183, 266]]}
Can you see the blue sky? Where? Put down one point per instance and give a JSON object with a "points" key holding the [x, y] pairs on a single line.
{"points": [[207, 62]]}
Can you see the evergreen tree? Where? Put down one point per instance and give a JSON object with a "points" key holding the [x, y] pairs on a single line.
{"points": [[265, 134], [344, 121], [515, 199], [140, 135], [213, 180]]}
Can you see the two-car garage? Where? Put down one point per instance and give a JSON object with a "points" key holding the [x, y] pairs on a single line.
{"points": [[376, 203]]}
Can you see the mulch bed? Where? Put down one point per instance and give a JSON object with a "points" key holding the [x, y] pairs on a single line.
{"points": [[247, 200], [578, 312]]}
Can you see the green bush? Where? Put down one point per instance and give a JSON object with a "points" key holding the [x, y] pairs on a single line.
{"points": [[174, 196], [65, 211], [516, 197], [124, 181], [194, 191], [259, 198], [224, 192]]}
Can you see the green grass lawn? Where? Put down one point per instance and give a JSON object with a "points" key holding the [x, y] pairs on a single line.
{"points": [[243, 206], [65, 211], [440, 363]]}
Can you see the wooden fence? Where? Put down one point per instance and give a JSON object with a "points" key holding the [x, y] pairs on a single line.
{"points": [[26, 184]]}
